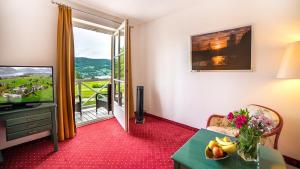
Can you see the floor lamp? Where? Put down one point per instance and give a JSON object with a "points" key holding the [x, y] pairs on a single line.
{"points": [[290, 64], [290, 69]]}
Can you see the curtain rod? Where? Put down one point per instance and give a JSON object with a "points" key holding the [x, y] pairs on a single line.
{"points": [[56, 3]]}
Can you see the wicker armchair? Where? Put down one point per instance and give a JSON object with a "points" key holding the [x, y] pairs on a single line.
{"points": [[78, 106], [101, 101], [219, 123]]}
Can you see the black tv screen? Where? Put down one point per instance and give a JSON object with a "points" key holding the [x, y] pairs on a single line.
{"points": [[26, 84]]}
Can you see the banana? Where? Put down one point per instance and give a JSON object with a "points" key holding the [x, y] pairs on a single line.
{"points": [[223, 143], [226, 139], [229, 149]]}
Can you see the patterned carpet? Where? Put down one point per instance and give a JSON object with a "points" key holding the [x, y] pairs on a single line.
{"points": [[104, 145]]}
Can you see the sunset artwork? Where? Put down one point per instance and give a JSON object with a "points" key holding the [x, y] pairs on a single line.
{"points": [[224, 50]]}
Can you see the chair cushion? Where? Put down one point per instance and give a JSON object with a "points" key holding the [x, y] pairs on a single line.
{"points": [[230, 131], [218, 121], [268, 141], [254, 109]]}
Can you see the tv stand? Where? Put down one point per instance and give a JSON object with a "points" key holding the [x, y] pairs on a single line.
{"points": [[21, 123], [1, 157], [32, 105], [6, 107], [19, 106]]}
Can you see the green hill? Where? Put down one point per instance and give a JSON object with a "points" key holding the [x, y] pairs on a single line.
{"points": [[91, 68]]}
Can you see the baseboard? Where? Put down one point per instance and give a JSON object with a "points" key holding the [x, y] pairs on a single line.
{"points": [[172, 122], [292, 161]]}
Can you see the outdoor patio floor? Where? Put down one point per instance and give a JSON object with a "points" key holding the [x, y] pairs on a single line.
{"points": [[89, 116]]}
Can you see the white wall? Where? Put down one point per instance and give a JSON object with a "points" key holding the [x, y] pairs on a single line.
{"points": [[138, 62], [175, 93], [27, 37], [28, 32]]}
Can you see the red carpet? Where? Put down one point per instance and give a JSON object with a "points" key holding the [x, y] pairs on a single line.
{"points": [[104, 145]]}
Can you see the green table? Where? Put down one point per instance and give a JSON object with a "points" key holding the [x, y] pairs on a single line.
{"points": [[191, 155]]}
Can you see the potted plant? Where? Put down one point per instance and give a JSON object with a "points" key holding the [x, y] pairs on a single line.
{"points": [[251, 128]]}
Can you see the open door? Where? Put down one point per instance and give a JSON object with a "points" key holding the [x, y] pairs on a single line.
{"points": [[119, 75]]}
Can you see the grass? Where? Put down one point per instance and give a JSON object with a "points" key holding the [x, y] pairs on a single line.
{"points": [[2, 100], [43, 95], [86, 92], [17, 81], [9, 84]]}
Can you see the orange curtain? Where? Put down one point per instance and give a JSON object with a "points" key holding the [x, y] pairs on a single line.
{"points": [[130, 89], [65, 75]]}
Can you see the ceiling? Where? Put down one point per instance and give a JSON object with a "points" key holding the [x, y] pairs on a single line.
{"points": [[138, 11]]}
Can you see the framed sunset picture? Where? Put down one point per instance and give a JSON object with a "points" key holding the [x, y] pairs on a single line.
{"points": [[220, 51]]}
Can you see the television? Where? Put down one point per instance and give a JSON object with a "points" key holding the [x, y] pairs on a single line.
{"points": [[25, 85]]}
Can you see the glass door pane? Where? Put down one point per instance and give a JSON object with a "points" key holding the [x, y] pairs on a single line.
{"points": [[116, 68], [119, 75], [116, 44]]}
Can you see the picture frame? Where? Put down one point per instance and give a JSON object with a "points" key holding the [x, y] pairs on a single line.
{"points": [[227, 50]]}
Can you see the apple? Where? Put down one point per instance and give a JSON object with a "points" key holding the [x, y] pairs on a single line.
{"points": [[217, 152], [212, 144]]}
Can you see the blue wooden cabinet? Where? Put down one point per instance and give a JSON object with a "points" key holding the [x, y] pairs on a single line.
{"points": [[28, 121]]}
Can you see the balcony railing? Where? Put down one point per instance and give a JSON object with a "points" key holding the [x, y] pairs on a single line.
{"points": [[91, 95], [89, 92]]}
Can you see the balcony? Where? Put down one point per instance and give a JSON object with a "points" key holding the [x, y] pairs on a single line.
{"points": [[91, 102]]}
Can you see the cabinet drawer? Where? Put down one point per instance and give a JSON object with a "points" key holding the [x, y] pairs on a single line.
{"points": [[28, 132], [29, 118], [29, 125], [23, 113]]}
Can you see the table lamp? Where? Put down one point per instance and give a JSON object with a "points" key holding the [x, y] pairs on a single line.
{"points": [[290, 64]]}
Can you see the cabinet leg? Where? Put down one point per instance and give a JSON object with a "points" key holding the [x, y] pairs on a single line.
{"points": [[55, 142], [54, 131], [1, 157], [176, 165]]}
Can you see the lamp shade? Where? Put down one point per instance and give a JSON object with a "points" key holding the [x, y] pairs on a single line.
{"points": [[290, 64]]}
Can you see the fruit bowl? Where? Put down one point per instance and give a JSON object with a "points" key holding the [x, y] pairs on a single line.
{"points": [[220, 148], [209, 155]]}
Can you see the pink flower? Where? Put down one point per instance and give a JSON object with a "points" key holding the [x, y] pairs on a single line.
{"points": [[240, 121], [268, 122], [230, 116], [238, 125]]}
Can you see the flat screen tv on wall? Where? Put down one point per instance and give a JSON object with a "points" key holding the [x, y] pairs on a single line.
{"points": [[25, 85]]}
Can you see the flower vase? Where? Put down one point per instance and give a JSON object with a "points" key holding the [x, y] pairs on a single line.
{"points": [[248, 145]]}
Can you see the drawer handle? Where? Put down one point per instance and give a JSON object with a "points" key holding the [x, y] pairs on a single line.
{"points": [[30, 119], [32, 132], [32, 125]]}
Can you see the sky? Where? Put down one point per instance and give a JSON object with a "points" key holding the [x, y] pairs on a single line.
{"points": [[91, 44]]}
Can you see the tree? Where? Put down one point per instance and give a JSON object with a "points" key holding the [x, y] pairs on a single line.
{"points": [[78, 75]]}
